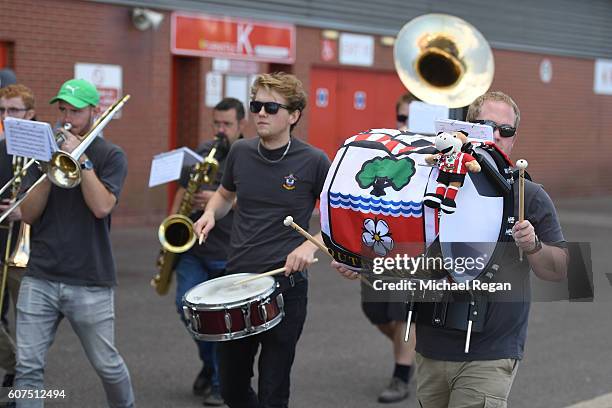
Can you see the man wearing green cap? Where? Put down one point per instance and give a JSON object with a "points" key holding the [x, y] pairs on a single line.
{"points": [[71, 271]]}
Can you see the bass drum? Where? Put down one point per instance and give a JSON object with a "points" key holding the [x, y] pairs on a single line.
{"points": [[472, 238]]}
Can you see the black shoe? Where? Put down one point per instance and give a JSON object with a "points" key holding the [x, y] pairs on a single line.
{"points": [[8, 380], [432, 200], [214, 398], [448, 205], [397, 390], [202, 383]]}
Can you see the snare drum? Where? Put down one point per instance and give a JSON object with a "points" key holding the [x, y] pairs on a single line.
{"points": [[220, 310]]}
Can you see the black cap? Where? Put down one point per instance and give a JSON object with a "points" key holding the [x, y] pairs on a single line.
{"points": [[7, 77]]}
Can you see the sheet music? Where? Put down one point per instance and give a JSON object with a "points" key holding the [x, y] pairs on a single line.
{"points": [[167, 166], [474, 130], [422, 117], [29, 138]]}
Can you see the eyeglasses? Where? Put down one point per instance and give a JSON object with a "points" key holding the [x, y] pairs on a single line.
{"points": [[402, 118], [504, 130], [12, 111], [271, 108]]}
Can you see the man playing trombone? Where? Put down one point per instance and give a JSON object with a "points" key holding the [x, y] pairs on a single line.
{"points": [[71, 271]]}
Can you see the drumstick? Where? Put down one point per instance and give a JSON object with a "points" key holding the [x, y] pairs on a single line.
{"points": [[521, 164], [289, 223], [269, 273]]}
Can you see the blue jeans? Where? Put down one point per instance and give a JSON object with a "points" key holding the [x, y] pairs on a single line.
{"points": [[191, 271], [91, 312]]}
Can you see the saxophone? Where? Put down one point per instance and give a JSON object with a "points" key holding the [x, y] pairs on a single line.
{"points": [[176, 233]]}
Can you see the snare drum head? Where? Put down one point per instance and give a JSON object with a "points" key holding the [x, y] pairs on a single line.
{"points": [[224, 290]]}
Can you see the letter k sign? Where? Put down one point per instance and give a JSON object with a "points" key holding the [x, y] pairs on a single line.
{"points": [[244, 30]]}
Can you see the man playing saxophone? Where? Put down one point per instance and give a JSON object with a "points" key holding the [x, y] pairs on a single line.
{"points": [[204, 262], [71, 270], [16, 101]]}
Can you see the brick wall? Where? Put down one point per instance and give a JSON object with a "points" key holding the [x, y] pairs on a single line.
{"points": [[564, 132], [51, 36]]}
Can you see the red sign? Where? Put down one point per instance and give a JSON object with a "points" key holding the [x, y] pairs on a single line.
{"points": [[329, 50], [207, 36]]}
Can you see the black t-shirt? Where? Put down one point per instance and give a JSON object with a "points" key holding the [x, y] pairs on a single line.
{"points": [[68, 243], [216, 245], [6, 173], [505, 327], [267, 193]]}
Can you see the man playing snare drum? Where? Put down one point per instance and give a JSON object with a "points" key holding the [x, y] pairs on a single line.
{"points": [[271, 176]]}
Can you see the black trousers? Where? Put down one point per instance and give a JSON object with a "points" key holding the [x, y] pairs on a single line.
{"points": [[275, 360]]}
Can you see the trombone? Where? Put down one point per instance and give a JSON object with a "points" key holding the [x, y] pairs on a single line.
{"points": [[64, 169]]}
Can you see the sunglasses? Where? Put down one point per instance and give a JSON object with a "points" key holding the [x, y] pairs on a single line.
{"points": [[504, 130], [271, 108], [402, 118]]}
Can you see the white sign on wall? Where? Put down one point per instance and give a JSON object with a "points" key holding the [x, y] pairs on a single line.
{"points": [[108, 80], [236, 86], [356, 49], [602, 80], [322, 97], [359, 100], [546, 70], [214, 89]]}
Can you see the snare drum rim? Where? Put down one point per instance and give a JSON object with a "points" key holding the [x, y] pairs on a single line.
{"points": [[239, 334], [224, 306]]}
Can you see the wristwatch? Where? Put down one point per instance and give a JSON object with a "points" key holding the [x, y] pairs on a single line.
{"points": [[538, 246], [87, 165]]}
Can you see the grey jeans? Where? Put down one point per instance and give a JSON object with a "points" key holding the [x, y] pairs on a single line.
{"points": [[90, 310]]}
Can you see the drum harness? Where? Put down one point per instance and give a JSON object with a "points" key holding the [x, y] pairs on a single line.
{"points": [[466, 310]]}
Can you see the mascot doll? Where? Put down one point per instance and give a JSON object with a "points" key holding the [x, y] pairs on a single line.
{"points": [[453, 165]]}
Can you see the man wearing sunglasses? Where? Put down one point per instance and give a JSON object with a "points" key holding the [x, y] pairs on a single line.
{"points": [[272, 176], [402, 108], [449, 377], [498, 111]]}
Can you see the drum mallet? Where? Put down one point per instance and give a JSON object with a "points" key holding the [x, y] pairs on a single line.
{"points": [[289, 223], [269, 273], [521, 164]]}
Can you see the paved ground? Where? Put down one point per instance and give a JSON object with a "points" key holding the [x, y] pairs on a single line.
{"points": [[342, 361]]}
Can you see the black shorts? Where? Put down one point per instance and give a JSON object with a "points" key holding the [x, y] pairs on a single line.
{"points": [[447, 178], [385, 312]]}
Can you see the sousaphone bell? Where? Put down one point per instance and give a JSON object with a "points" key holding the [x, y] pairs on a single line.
{"points": [[443, 60]]}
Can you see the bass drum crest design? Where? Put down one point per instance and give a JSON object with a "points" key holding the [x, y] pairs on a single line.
{"points": [[372, 203]]}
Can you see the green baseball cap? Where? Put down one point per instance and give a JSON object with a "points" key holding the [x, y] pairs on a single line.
{"points": [[79, 93]]}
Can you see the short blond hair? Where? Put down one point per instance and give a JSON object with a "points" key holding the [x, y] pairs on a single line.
{"points": [[19, 91], [474, 108], [286, 85]]}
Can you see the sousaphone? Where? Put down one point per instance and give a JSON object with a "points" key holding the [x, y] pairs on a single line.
{"points": [[443, 60]]}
